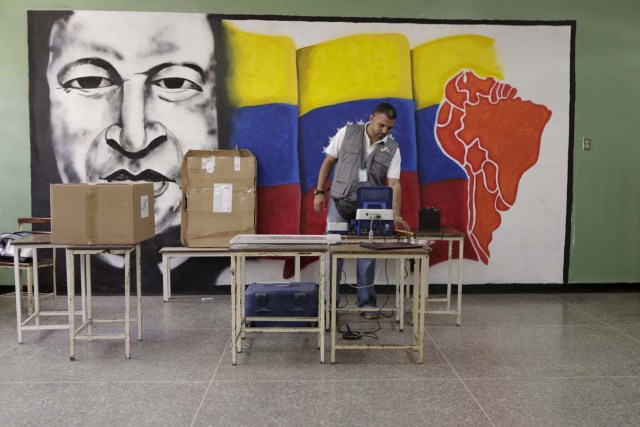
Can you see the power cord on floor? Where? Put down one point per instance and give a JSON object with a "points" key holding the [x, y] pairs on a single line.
{"points": [[345, 330], [347, 334]]}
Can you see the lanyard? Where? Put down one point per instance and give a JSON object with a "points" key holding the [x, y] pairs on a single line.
{"points": [[363, 157]]}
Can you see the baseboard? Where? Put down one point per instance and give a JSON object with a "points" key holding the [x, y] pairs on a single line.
{"points": [[434, 288]]}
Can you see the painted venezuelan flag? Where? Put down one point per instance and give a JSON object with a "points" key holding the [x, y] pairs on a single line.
{"points": [[340, 82], [263, 93], [443, 182]]}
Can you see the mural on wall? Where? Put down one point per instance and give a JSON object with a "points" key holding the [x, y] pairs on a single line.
{"points": [[477, 137], [495, 137], [123, 96], [483, 122]]}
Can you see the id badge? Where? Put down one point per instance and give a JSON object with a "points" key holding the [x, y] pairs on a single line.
{"points": [[362, 174]]}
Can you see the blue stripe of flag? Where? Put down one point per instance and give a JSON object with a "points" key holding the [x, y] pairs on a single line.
{"points": [[270, 132], [433, 164]]}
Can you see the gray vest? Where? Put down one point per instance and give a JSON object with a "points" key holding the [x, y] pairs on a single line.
{"points": [[351, 158]]}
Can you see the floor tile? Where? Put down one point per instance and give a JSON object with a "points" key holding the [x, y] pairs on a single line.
{"points": [[115, 404], [8, 340], [188, 312], [272, 357], [613, 308], [508, 352], [630, 329], [517, 359], [560, 401], [292, 403], [511, 310], [161, 356], [8, 309]]}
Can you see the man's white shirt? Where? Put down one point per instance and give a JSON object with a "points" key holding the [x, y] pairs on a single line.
{"points": [[336, 144]]}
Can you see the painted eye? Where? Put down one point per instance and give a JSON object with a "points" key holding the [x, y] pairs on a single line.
{"points": [[177, 84], [90, 82]]}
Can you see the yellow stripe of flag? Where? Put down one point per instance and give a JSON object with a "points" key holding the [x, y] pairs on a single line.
{"points": [[362, 66], [435, 62], [262, 69]]}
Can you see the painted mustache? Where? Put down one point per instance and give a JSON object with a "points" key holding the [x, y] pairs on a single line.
{"points": [[138, 154], [145, 175]]}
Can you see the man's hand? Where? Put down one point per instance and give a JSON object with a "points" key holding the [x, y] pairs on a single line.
{"points": [[400, 224], [325, 170], [318, 203]]}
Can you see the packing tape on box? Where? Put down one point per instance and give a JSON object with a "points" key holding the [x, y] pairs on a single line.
{"points": [[91, 217], [209, 164]]}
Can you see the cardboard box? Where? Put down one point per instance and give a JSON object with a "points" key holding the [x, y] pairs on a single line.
{"points": [[119, 213], [218, 197]]}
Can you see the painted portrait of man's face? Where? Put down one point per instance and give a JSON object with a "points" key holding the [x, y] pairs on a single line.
{"points": [[130, 93]]}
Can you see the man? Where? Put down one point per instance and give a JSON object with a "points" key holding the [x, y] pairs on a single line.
{"points": [[130, 93], [364, 155]]}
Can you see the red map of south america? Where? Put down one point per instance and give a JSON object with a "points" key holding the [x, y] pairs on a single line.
{"points": [[495, 137]]}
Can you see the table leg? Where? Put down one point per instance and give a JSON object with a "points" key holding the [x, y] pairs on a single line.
{"points": [[166, 277], [127, 304], [334, 282], [234, 274], [398, 262], [416, 298], [139, 291], [87, 303], [30, 291], [407, 291], [71, 303], [17, 274], [460, 272], [296, 276], [449, 267], [321, 309], [85, 277], [85, 291], [400, 286], [327, 291], [55, 280], [36, 286], [424, 271], [240, 295]]}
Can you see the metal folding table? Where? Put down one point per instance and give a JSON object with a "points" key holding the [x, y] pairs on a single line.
{"points": [[183, 252], [449, 235], [239, 253], [420, 255], [32, 323], [85, 253]]}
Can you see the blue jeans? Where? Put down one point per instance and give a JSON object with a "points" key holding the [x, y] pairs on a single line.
{"points": [[365, 270]]}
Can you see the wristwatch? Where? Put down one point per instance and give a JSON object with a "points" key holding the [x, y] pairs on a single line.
{"points": [[316, 192]]}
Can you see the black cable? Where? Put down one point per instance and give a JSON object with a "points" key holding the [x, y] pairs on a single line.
{"points": [[386, 276], [350, 335], [346, 301], [341, 282]]}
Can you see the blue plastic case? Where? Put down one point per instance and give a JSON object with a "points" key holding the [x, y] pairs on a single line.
{"points": [[282, 299]]}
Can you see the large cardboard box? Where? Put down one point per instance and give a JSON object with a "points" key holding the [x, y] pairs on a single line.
{"points": [[218, 197], [102, 214]]}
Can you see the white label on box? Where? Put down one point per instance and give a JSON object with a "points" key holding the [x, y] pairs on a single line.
{"points": [[222, 197], [209, 164], [236, 163], [144, 206]]}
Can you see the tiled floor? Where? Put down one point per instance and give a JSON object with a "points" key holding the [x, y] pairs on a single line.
{"points": [[518, 359]]}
